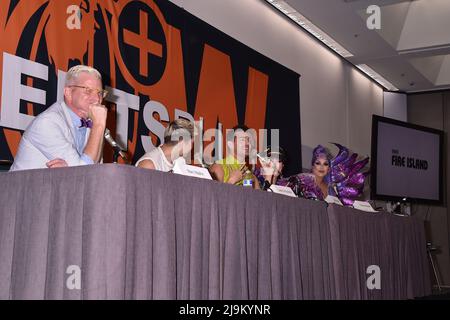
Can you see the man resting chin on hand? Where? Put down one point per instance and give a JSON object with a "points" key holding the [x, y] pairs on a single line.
{"points": [[70, 132]]}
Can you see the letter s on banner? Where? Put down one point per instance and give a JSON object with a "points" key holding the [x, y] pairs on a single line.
{"points": [[152, 124]]}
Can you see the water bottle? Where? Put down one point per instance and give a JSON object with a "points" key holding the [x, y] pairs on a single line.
{"points": [[248, 179]]}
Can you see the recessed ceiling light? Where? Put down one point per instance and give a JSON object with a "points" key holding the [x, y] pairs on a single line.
{"points": [[303, 22], [377, 77]]}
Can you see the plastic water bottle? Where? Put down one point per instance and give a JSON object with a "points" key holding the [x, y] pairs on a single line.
{"points": [[248, 179]]}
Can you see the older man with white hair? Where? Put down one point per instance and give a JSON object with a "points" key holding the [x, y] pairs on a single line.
{"points": [[69, 132]]}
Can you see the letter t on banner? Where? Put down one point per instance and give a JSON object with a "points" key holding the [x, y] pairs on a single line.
{"points": [[123, 101]]}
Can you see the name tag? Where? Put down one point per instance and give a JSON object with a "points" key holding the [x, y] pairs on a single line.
{"points": [[180, 167], [282, 190], [363, 205], [332, 199]]}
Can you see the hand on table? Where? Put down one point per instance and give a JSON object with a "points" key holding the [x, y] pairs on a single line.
{"points": [[56, 163]]}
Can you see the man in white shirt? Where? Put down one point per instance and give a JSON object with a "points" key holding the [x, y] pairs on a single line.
{"points": [[68, 133]]}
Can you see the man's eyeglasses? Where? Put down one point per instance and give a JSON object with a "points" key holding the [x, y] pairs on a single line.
{"points": [[89, 91]]}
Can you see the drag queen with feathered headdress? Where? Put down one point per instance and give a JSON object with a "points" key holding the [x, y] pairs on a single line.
{"points": [[339, 176]]}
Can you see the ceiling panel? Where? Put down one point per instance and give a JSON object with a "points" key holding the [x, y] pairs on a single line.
{"points": [[412, 48]]}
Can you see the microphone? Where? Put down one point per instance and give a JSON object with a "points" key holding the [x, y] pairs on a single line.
{"points": [[114, 144], [263, 158], [397, 206]]}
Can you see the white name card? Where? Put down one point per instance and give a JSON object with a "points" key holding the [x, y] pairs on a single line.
{"points": [[282, 190], [332, 199], [180, 167], [363, 205]]}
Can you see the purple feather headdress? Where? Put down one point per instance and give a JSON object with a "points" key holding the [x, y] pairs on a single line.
{"points": [[320, 152], [345, 175]]}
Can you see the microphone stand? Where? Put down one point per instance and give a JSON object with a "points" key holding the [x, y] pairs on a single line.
{"points": [[116, 154], [117, 150]]}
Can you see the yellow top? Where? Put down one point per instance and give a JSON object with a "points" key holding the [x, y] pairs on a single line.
{"points": [[229, 164]]}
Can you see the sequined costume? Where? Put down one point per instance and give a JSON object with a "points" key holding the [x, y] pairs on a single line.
{"points": [[344, 180]]}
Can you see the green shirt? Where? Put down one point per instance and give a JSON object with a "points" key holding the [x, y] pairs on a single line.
{"points": [[230, 164]]}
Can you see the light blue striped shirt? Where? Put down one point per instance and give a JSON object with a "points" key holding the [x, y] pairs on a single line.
{"points": [[80, 136]]}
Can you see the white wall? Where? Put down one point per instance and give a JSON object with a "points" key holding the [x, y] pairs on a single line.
{"points": [[395, 106], [336, 100], [432, 110]]}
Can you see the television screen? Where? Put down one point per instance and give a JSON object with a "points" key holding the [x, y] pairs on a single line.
{"points": [[406, 161]]}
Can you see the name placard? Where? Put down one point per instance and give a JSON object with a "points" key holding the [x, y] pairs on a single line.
{"points": [[363, 205], [332, 199], [282, 190], [180, 167]]}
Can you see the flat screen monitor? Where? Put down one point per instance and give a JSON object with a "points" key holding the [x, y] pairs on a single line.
{"points": [[406, 162]]}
